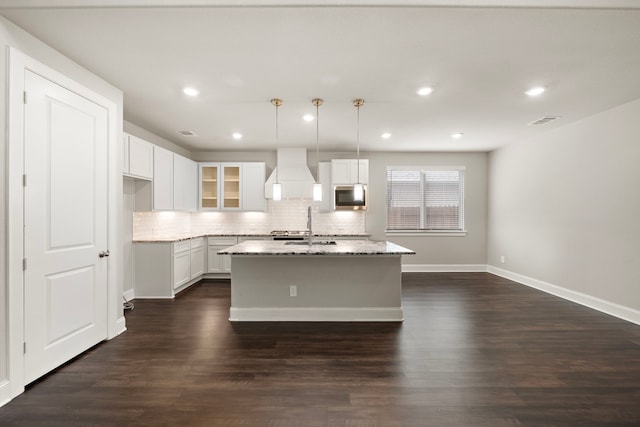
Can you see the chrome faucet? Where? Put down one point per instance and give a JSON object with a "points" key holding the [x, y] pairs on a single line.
{"points": [[309, 224]]}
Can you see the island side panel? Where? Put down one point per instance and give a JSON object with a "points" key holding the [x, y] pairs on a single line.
{"points": [[329, 288]]}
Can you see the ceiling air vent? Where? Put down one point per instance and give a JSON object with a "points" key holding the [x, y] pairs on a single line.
{"points": [[544, 120], [186, 133]]}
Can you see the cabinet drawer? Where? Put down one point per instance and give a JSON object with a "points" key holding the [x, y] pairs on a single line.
{"points": [[197, 243], [182, 246], [220, 241]]}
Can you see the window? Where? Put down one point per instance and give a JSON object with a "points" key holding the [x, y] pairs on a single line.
{"points": [[425, 199]]}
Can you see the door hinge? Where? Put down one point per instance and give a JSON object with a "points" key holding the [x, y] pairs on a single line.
{"points": [[24, 264], [24, 180], [24, 348], [24, 96]]}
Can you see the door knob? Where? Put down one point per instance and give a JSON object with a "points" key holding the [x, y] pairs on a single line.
{"points": [[103, 254]]}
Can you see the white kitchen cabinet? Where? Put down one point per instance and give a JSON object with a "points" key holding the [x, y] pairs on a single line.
{"points": [[126, 164], [252, 176], [162, 268], [345, 171], [138, 157], [197, 257], [220, 186], [181, 263], [185, 184], [231, 186], [162, 179], [208, 188], [175, 180], [219, 263]]}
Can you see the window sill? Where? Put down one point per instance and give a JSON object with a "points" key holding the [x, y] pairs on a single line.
{"points": [[430, 233]]}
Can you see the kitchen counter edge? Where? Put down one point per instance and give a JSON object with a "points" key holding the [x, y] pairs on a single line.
{"points": [[181, 238]]}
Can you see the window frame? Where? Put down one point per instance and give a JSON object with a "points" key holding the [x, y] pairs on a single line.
{"points": [[422, 232]]}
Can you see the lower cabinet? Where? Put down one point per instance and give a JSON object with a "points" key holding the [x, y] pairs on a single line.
{"points": [[219, 263], [161, 268], [198, 257], [181, 263]]}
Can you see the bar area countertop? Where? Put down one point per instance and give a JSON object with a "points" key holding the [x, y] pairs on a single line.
{"points": [[318, 247]]}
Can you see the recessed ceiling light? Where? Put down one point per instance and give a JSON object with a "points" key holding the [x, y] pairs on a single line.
{"points": [[191, 91], [424, 91], [535, 91], [237, 135], [386, 135], [308, 117], [457, 135]]}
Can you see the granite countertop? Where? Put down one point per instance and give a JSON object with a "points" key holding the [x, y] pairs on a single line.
{"points": [[180, 237], [342, 247]]}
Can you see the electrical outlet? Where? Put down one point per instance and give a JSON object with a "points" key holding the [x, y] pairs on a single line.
{"points": [[293, 291], [502, 259]]}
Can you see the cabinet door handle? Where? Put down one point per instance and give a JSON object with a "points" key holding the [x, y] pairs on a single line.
{"points": [[103, 254]]}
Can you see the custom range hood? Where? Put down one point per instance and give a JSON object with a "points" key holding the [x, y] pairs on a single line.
{"points": [[293, 173]]}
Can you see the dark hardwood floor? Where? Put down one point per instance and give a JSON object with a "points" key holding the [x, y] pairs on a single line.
{"points": [[474, 350]]}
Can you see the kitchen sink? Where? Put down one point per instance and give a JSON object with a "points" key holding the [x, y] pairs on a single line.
{"points": [[306, 243]]}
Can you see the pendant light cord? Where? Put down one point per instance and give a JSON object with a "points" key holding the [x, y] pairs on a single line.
{"points": [[318, 140], [277, 102], [277, 143], [358, 103], [358, 147]]}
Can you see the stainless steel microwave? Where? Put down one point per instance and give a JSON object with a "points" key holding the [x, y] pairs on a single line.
{"points": [[343, 199]]}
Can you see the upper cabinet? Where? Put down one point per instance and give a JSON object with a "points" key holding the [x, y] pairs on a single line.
{"points": [[175, 180], [232, 186], [209, 185], [185, 184], [138, 157], [252, 186], [345, 171], [162, 179]]}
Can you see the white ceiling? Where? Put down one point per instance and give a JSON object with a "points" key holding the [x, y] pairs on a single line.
{"points": [[478, 60]]}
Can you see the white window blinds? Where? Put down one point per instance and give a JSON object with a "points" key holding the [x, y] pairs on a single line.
{"points": [[425, 199]]}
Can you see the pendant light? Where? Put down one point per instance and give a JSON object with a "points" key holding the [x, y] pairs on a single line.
{"points": [[317, 187], [358, 188], [277, 187]]}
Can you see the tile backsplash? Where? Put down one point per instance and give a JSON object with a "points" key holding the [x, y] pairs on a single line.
{"points": [[161, 225], [280, 215]]}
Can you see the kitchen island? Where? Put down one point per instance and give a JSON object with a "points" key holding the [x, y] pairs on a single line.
{"points": [[343, 280]]}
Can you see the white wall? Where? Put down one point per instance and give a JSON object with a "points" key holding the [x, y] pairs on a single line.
{"points": [[564, 207], [12, 36]]}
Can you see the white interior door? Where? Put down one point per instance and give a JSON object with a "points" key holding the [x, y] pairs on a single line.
{"points": [[65, 225]]}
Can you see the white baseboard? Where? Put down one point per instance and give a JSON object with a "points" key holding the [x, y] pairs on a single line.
{"points": [[129, 295], [216, 276], [443, 268], [5, 392], [121, 325], [316, 314], [613, 309]]}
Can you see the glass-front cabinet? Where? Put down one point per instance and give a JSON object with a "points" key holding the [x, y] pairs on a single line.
{"points": [[220, 186], [209, 186], [231, 187]]}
